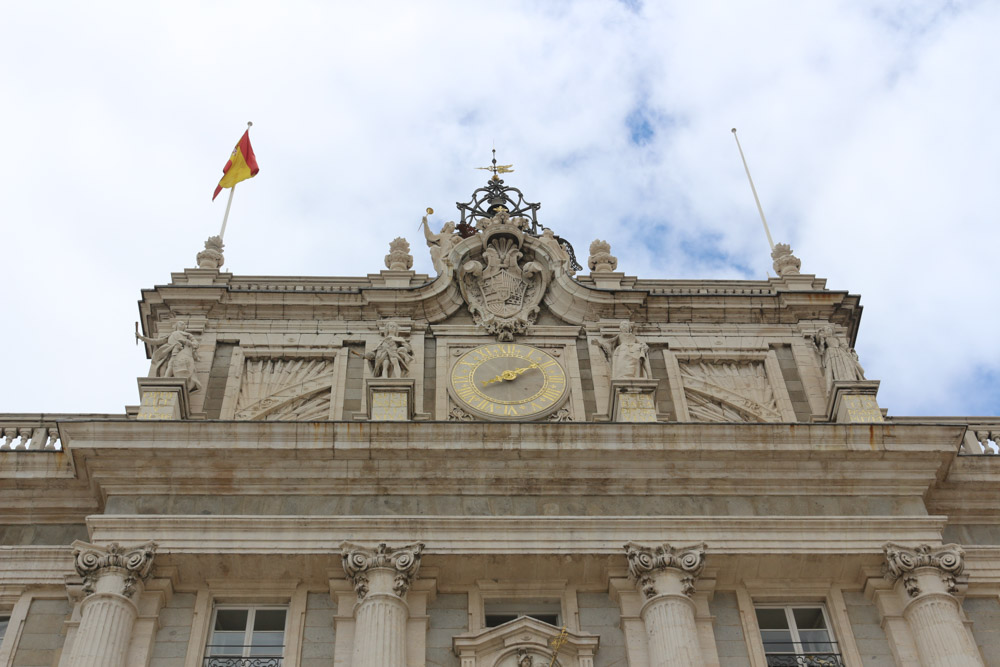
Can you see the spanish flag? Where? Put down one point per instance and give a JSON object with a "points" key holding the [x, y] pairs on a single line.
{"points": [[241, 166]]}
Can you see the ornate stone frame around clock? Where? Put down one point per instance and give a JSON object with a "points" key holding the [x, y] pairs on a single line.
{"points": [[458, 348]]}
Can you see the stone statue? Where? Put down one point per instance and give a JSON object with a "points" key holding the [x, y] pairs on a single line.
{"points": [[627, 354], [175, 355], [393, 354], [549, 240], [524, 659], [601, 260], [399, 257], [839, 361], [440, 244]]}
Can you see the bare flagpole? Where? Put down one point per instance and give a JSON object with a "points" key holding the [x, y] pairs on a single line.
{"points": [[232, 191], [754, 190]]}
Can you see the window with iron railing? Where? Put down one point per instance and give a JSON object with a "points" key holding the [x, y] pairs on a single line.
{"points": [[246, 637], [797, 636]]}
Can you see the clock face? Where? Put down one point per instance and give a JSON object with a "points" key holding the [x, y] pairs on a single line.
{"points": [[508, 381]]}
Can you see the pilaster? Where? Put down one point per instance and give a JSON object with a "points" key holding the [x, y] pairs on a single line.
{"points": [[925, 581], [381, 578], [665, 576], [112, 576]]}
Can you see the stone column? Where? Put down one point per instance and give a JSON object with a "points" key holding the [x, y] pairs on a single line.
{"points": [[925, 581], [111, 577], [381, 577], [665, 577]]}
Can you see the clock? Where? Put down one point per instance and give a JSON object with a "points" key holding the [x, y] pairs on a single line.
{"points": [[508, 381]]}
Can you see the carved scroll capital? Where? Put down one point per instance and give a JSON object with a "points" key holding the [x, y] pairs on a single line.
{"points": [[903, 562], [402, 563], [132, 564], [645, 563]]}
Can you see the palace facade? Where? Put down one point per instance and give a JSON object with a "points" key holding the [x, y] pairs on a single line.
{"points": [[518, 462]]}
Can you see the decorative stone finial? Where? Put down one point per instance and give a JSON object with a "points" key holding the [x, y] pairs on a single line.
{"points": [[363, 564], [785, 263], [211, 257], [902, 562], [601, 260], [132, 564], [646, 562], [399, 257]]}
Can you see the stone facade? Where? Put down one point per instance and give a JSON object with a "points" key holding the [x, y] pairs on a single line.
{"points": [[512, 463]]}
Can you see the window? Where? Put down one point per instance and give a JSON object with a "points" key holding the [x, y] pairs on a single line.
{"points": [[498, 612], [4, 620], [797, 636], [246, 637]]}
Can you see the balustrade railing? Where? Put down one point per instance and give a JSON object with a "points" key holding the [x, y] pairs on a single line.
{"points": [[827, 657], [983, 437], [236, 661], [29, 435]]}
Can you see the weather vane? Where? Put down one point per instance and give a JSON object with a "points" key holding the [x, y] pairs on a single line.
{"points": [[498, 168]]}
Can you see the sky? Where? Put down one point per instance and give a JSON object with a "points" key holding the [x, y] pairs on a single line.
{"points": [[869, 127]]}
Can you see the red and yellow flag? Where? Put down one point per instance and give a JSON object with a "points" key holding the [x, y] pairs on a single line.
{"points": [[241, 166]]}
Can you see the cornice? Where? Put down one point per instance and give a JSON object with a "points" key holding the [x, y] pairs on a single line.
{"points": [[444, 535]]}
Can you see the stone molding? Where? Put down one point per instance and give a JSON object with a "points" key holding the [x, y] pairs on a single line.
{"points": [[902, 562], [645, 561], [133, 564], [403, 561]]}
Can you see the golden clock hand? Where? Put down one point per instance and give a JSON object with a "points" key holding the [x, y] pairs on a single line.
{"points": [[509, 374]]}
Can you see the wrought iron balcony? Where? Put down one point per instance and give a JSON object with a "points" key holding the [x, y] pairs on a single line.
{"points": [[237, 661], [807, 659]]}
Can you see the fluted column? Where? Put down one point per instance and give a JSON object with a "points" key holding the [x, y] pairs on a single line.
{"points": [[925, 581], [665, 576], [381, 577], [111, 577]]}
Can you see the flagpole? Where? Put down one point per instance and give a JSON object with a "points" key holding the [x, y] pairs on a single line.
{"points": [[754, 191], [222, 232]]}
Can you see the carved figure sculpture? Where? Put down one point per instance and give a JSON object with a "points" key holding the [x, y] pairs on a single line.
{"points": [[399, 257], [627, 354], [175, 355], [601, 260], [211, 257], [524, 659], [840, 362], [440, 244], [393, 354]]}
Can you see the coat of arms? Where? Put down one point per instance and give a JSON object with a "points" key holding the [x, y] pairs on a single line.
{"points": [[502, 294]]}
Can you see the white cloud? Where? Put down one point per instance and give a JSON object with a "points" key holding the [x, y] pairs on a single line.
{"points": [[868, 128]]}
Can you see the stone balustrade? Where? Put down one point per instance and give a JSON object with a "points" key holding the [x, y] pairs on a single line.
{"points": [[983, 437], [29, 434]]}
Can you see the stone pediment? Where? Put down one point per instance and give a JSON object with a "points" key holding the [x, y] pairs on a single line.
{"points": [[526, 642]]}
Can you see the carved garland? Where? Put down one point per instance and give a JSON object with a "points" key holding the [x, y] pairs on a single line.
{"points": [[902, 562], [359, 560], [91, 561], [644, 561]]}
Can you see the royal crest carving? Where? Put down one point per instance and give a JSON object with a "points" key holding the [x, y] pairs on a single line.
{"points": [[502, 290]]}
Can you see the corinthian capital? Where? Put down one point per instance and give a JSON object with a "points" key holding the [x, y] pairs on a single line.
{"points": [[903, 562], [362, 564], [130, 564], [645, 564]]}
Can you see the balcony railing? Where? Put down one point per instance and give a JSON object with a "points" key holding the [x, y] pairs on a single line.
{"points": [[823, 658], [29, 434], [236, 661]]}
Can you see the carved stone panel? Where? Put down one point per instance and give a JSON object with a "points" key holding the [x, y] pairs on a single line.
{"points": [[285, 390], [729, 391]]}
